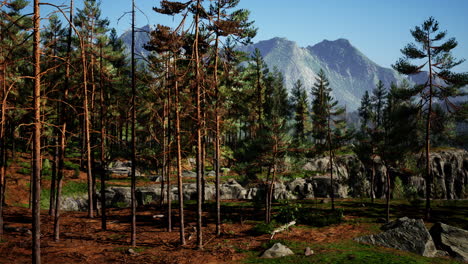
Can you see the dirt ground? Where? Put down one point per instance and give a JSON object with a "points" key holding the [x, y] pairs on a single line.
{"points": [[83, 241]]}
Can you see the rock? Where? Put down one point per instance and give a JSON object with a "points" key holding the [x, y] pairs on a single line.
{"points": [[232, 190], [280, 192], [276, 251], [189, 174], [210, 174], [404, 234], [22, 230], [302, 188], [155, 178], [308, 251], [131, 251], [451, 239], [77, 203]]}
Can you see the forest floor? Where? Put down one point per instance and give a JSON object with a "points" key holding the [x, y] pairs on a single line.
{"points": [[83, 241]]}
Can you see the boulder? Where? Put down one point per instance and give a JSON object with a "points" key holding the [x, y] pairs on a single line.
{"points": [[232, 190], [321, 187], [451, 239], [280, 192], [302, 188], [404, 234], [189, 174], [276, 251], [78, 203]]}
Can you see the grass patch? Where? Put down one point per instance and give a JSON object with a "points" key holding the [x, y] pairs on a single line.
{"points": [[345, 252], [69, 189], [24, 171], [70, 165]]}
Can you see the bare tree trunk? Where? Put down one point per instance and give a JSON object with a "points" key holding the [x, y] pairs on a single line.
{"points": [[103, 146], [168, 162], [3, 145], [217, 133], [332, 191], [133, 187], [199, 159], [179, 158], [428, 139], [36, 173], [63, 121], [388, 195], [164, 149], [372, 181]]}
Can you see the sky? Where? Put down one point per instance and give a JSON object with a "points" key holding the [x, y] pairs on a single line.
{"points": [[378, 28]]}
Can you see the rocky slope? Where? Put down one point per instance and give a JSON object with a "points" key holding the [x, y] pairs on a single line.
{"points": [[352, 179], [349, 71]]}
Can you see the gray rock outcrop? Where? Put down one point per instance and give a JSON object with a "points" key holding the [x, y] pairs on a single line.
{"points": [[276, 251], [451, 239], [404, 234]]}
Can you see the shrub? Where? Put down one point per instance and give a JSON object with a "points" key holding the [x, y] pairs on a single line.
{"points": [[320, 219], [70, 165], [263, 228], [25, 171], [288, 212]]}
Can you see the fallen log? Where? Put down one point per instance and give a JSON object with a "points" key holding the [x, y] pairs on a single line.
{"points": [[282, 228]]}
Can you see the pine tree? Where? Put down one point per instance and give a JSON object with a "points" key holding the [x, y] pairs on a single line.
{"points": [[37, 157], [378, 97], [438, 61], [321, 94], [301, 108], [328, 124], [365, 111]]}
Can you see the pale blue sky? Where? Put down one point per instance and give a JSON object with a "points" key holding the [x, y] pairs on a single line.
{"points": [[378, 28]]}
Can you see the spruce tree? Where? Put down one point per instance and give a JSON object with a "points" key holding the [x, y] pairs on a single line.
{"points": [[301, 108], [321, 95], [437, 59], [378, 97]]}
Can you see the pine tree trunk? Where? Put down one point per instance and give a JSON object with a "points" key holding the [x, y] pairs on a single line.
{"points": [[3, 145], [133, 187], [199, 159], [388, 194], [36, 173], [179, 158], [63, 122], [168, 162], [332, 191], [428, 139], [164, 149], [103, 146], [217, 133], [372, 180]]}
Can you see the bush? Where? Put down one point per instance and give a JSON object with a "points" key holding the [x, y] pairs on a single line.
{"points": [[288, 212], [46, 164], [70, 165], [321, 219], [263, 228], [25, 171]]}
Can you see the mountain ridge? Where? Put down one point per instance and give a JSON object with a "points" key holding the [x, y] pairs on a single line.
{"points": [[350, 71]]}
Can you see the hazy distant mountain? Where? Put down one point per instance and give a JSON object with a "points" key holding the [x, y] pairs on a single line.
{"points": [[349, 71], [141, 38]]}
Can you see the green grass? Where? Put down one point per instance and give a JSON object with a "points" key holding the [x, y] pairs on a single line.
{"points": [[24, 171], [345, 252], [70, 189]]}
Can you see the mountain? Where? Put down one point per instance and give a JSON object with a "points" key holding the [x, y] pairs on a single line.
{"points": [[141, 38], [349, 71]]}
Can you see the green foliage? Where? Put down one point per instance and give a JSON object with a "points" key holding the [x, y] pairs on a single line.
{"points": [[24, 171], [263, 228], [288, 211], [70, 165], [321, 218]]}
